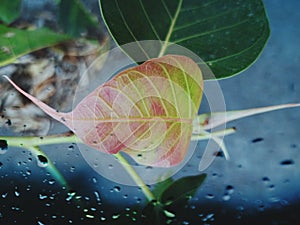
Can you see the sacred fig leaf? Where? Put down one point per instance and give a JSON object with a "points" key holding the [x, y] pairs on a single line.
{"points": [[146, 111], [182, 188], [227, 35], [10, 10], [16, 42]]}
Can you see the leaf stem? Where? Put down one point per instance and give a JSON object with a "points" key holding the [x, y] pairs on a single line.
{"points": [[137, 179], [32, 144], [51, 168], [25, 142]]}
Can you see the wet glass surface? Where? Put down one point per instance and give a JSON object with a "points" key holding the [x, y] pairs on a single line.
{"points": [[258, 185]]}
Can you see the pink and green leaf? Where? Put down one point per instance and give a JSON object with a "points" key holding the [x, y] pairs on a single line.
{"points": [[146, 111]]}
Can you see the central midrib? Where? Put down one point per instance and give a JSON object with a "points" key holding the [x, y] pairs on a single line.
{"points": [[171, 28]]}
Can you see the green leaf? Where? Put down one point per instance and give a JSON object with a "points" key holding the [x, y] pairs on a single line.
{"points": [[15, 42], [228, 35], [75, 19], [161, 186], [10, 10], [155, 213], [181, 189]]}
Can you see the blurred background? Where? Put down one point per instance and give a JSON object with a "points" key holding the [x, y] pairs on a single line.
{"points": [[259, 184]]}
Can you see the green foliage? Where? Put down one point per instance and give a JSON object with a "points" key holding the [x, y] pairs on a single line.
{"points": [[74, 18], [228, 35], [181, 189], [170, 193], [10, 10], [16, 42]]}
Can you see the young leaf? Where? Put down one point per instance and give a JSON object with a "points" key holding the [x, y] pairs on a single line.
{"points": [[16, 42], [10, 10], [186, 186], [227, 35], [155, 213], [161, 186], [146, 111]]}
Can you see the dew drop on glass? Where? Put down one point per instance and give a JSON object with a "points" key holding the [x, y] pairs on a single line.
{"points": [[52, 181], [3, 146], [226, 197], [115, 216], [17, 193], [42, 161], [70, 195], [117, 189], [229, 189], [94, 180], [265, 179], [4, 195], [287, 162], [40, 223], [42, 196], [209, 196]]}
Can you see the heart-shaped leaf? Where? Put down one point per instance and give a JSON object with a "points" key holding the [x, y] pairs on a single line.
{"points": [[146, 111], [16, 42], [227, 35]]}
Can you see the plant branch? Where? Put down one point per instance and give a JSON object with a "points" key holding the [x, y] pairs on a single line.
{"points": [[137, 179], [50, 167], [25, 142]]}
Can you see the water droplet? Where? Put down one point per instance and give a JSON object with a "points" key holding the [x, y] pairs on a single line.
{"points": [[209, 217], [98, 199], [169, 214], [52, 181], [42, 161], [70, 195], [240, 208], [209, 196], [287, 162], [94, 180], [17, 193], [255, 140], [117, 189], [293, 146], [185, 222], [226, 197], [4, 195], [42, 196], [266, 179], [28, 172], [116, 216], [40, 223], [89, 216], [110, 166], [219, 154], [72, 169], [271, 186], [3, 146], [229, 189], [102, 218]]}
